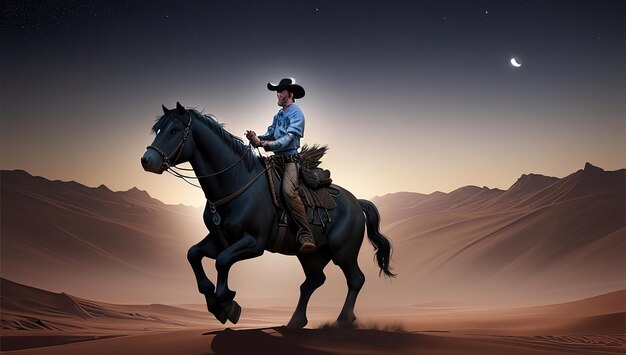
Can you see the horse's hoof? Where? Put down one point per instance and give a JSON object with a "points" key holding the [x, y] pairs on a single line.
{"points": [[215, 309], [233, 311], [347, 322], [297, 323], [221, 316]]}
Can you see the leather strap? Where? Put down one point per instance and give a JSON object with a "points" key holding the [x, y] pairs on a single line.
{"points": [[232, 196], [270, 179], [280, 237]]}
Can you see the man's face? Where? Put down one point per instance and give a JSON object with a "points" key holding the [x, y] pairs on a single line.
{"points": [[285, 98]]}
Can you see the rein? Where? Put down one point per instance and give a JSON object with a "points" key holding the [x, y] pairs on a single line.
{"points": [[169, 167]]}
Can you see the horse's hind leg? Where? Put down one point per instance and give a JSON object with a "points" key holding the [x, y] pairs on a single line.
{"points": [[356, 279], [207, 247], [313, 265]]}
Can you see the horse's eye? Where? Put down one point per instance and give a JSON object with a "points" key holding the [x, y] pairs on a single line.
{"points": [[173, 131]]}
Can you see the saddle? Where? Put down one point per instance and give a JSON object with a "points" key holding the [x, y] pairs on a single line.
{"points": [[316, 191]]}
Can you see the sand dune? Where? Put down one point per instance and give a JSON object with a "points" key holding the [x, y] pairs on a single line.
{"points": [[589, 326], [95, 242], [28, 308], [543, 240]]}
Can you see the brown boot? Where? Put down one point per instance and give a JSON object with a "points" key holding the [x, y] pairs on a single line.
{"points": [[306, 240]]}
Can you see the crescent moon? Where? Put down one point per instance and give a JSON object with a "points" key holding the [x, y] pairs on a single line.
{"points": [[515, 63]]}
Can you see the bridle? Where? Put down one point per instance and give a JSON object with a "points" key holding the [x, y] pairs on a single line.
{"points": [[169, 167], [177, 150]]}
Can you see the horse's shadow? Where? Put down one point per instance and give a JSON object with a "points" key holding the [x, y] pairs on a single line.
{"points": [[283, 340]]}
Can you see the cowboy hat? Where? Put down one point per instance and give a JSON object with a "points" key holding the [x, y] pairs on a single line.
{"points": [[290, 85]]}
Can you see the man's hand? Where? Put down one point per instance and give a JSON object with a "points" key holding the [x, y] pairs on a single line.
{"points": [[252, 137], [265, 145]]}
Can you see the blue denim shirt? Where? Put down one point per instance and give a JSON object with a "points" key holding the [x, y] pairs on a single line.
{"points": [[286, 130]]}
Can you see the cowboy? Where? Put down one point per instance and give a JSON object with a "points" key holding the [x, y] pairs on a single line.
{"points": [[283, 138]]}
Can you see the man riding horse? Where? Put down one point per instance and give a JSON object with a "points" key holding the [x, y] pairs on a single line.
{"points": [[241, 213], [283, 138]]}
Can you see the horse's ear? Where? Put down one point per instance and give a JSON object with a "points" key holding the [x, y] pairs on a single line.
{"points": [[181, 110], [165, 110]]}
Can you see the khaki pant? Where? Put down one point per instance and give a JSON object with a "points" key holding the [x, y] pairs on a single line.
{"points": [[290, 186]]}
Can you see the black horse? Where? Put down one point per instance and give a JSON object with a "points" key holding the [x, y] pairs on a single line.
{"points": [[240, 214]]}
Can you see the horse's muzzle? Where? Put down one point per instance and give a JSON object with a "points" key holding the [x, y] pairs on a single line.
{"points": [[153, 162]]}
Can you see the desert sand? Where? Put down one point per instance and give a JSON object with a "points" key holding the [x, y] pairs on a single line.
{"points": [[36, 321]]}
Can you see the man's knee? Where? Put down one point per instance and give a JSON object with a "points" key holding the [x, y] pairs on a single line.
{"points": [[289, 189], [290, 181]]}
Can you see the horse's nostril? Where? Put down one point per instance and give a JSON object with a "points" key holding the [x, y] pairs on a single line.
{"points": [[144, 160]]}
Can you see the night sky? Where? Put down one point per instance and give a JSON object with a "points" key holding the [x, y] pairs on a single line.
{"points": [[422, 90]]}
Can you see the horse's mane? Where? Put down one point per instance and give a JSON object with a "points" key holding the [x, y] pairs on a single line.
{"points": [[211, 121]]}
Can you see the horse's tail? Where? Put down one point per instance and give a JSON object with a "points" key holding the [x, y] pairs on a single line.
{"points": [[381, 244]]}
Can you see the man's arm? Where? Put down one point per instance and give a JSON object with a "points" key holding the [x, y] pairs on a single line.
{"points": [[269, 135], [266, 137], [280, 143], [296, 123]]}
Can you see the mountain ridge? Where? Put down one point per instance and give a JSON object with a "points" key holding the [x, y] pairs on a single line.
{"points": [[17, 176], [552, 237]]}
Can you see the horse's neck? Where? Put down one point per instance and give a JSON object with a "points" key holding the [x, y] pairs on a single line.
{"points": [[213, 155]]}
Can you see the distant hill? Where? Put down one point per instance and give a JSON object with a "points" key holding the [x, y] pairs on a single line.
{"points": [[545, 236], [543, 240], [95, 242]]}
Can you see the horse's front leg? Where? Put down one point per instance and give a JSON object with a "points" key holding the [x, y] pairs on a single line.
{"points": [[245, 248], [209, 248]]}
